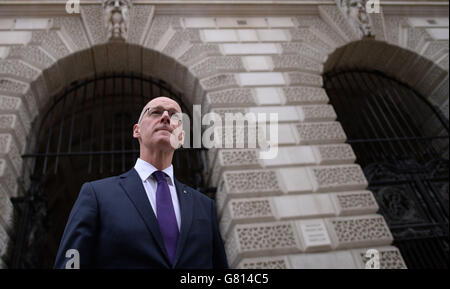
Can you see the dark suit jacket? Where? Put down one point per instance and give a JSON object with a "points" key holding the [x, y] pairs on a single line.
{"points": [[112, 225]]}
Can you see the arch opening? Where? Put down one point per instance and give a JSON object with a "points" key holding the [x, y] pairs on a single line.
{"points": [[85, 134], [400, 140]]}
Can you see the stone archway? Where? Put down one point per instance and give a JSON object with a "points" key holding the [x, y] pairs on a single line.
{"points": [[420, 73], [49, 62], [251, 62], [423, 75], [43, 229], [412, 58]]}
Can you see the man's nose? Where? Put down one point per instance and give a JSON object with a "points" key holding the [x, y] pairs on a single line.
{"points": [[165, 117]]}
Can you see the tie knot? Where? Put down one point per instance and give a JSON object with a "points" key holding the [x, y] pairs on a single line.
{"points": [[160, 176]]}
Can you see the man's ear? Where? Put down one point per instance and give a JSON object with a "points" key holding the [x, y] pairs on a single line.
{"points": [[181, 138], [136, 131]]}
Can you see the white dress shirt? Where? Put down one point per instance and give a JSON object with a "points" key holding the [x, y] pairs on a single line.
{"points": [[145, 171]]}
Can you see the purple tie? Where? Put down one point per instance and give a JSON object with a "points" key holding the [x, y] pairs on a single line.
{"points": [[166, 215]]}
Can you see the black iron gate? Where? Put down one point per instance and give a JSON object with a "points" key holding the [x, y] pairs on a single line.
{"points": [[83, 135], [401, 142]]}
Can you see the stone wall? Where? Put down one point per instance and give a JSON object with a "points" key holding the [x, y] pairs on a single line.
{"points": [[308, 207]]}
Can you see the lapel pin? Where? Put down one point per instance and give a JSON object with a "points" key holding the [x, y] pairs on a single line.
{"points": [[184, 191]]}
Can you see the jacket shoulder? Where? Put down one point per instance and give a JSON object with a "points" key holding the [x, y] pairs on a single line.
{"points": [[105, 182], [198, 194]]}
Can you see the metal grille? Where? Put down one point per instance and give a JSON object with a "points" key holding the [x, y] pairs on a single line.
{"points": [[86, 134], [401, 142]]}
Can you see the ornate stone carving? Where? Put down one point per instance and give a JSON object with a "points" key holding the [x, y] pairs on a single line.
{"points": [[378, 26], [395, 23], [324, 112], [7, 177], [32, 54], [338, 178], [335, 18], [213, 65], [251, 181], [73, 28], [116, 19], [219, 81], [413, 72], [234, 158], [5, 142], [431, 80], [317, 25], [141, 17], [159, 26], [245, 210], [179, 43], [9, 103], [9, 121], [50, 42], [231, 97], [303, 49], [303, 94], [252, 239], [434, 48], [239, 157], [390, 258], [4, 240], [250, 208], [321, 132], [6, 209], [307, 36], [443, 63], [416, 38], [300, 78], [264, 263], [360, 231], [233, 110], [94, 20], [357, 202], [18, 69], [296, 62], [440, 94], [356, 14], [335, 154], [13, 87], [198, 52]]}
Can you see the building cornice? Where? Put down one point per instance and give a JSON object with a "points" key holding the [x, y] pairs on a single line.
{"points": [[226, 7]]}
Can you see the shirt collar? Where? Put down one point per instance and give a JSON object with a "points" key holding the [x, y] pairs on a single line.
{"points": [[145, 170]]}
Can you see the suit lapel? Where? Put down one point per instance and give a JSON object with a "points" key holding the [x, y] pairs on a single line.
{"points": [[186, 210], [132, 184]]}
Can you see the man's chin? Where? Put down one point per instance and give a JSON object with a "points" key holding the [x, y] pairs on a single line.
{"points": [[163, 143]]}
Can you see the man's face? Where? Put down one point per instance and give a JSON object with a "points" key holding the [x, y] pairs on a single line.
{"points": [[160, 122]]}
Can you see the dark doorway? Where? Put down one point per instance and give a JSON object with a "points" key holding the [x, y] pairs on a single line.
{"points": [[401, 142], [85, 134]]}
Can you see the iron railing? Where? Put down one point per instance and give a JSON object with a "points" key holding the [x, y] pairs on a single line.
{"points": [[401, 141], [85, 134]]}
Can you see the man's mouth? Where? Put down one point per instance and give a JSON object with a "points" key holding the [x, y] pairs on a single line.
{"points": [[164, 129]]}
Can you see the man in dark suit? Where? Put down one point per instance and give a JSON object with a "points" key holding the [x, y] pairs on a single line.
{"points": [[145, 218]]}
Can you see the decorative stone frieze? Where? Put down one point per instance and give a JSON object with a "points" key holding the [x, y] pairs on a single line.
{"points": [[321, 133], [361, 231], [338, 178]]}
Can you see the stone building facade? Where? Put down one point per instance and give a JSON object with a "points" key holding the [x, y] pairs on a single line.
{"points": [[307, 208]]}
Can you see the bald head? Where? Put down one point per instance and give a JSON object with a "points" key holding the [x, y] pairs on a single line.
{"points": [[162, 101]]}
